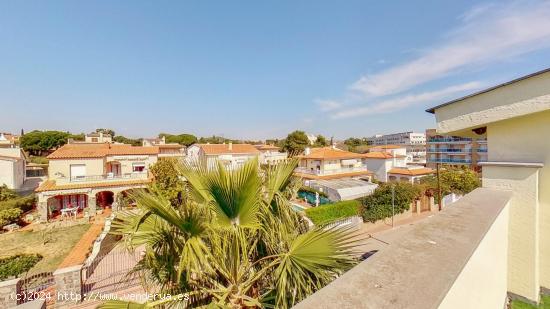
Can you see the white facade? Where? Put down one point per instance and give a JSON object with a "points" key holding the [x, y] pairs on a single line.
{"points": [[230, 155], [403, 138], [98, 138], [12, 167]]}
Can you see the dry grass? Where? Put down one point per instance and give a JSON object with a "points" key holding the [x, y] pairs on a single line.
{"points": [[53, 244]]}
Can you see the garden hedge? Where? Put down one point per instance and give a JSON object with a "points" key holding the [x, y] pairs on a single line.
{"points": [[24, 203], [15, 265], [331, 212], [378, 205]]}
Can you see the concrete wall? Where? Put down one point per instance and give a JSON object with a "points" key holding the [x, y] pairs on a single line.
{"points": [[525, 139], [379, 167], [470, 290], [62, 167]]}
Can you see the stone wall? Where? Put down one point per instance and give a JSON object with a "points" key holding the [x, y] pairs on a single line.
{"points": [[68, 286], [8, 292]]}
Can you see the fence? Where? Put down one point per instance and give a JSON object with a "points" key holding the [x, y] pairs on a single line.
{"points": [[110, 272], [32, 287], [351, 222]]}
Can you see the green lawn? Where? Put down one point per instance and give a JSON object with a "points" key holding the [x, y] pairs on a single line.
{"points": [[59, 242], [544, 304]]}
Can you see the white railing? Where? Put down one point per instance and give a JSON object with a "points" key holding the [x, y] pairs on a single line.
{"points": [[351, 222], [104, 177]]}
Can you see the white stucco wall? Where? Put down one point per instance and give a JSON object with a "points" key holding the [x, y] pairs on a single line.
{"points": [[470, 290]]}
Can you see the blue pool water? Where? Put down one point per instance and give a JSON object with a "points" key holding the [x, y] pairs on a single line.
{"points": [[310, 197]]}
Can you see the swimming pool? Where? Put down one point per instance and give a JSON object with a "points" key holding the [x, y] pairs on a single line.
{"points": [[298, 207], [310, 198]]}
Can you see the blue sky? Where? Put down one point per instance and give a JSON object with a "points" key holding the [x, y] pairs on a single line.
{"points": [[256, 69]]}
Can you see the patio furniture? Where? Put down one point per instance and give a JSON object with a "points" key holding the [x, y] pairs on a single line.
{"points": [[69, 212]]}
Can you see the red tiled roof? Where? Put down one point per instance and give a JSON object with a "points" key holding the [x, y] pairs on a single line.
{"points": [[69, 151], [331, 153], [332, 176], [381, 155], [411, 172], [215, 149], [50, 185]]}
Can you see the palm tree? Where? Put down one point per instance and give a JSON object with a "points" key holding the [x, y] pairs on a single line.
{"points": [[233, 241]]}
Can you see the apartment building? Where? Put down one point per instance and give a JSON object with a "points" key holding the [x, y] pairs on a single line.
{"points": [[271, 154], [92, 176], [415, 144], [454, 150], [231, 155]]}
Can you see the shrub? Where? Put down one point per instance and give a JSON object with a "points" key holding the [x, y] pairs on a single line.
{"points": [[15, 265], [24, 203], [379, 205], [311, 190], [332, 212], [8, 216], [6, 193]]}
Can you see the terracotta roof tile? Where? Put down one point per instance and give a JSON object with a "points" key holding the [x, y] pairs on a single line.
{"points": [[215, 149], [100, 150], [331, 153], [267, 147], [411, 172], [50, 185], [381, 155], [332, 176]]}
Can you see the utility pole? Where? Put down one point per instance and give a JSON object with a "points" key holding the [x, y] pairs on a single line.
{"points": [[439, 197], [392, 203]]}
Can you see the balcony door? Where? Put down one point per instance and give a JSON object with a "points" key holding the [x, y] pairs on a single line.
{"points": [[113, 168]]}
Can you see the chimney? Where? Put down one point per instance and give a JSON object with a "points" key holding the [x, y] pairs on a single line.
{"points": [[230, 146], [101, 136], [307, 151]]}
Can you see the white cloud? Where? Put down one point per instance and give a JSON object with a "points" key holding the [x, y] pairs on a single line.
{"points": [[487, 34], [391, 105], [328, 105]]}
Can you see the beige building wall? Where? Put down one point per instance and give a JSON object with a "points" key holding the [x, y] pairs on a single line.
{"points": [[526, 139], [470, 290], [61, 168]]}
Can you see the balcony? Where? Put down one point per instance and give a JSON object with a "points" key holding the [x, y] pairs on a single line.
{"points": [[341, 170], [450, 150], [482, 150], [449, 161], [449, 140], [103, 178]]}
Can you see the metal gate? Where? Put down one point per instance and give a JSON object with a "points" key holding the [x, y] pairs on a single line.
{"points": [[110, 272], [35, 286]]}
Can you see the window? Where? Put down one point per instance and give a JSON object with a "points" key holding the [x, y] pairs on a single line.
{"points": [[94, 140], [138, 167], [78, 171]]}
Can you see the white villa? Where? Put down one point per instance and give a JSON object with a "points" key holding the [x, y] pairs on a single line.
{"points": [[391, 165], [173, 150], [13, 163], [231, 155], [270, 154]]}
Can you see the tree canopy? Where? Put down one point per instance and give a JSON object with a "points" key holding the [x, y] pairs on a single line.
{"points": [[321, 141], [296, 142], [182, 139], [167, 179], [453, 180], [379, 204], [106, 131], [125, 140], [37, 142]]}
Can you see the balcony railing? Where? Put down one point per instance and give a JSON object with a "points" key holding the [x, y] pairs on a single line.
{"points": [[105, 177], [341, 170], [482, 150], [439, 160], [453, 150], [449, 140]]}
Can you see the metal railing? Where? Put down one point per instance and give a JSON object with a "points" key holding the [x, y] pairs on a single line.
{"points": [[438, 160], [453, 150], [482, 150], [104, 177], [449, 140]]}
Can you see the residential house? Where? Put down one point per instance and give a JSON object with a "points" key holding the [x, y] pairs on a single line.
{"points": [[173, 150], [341, 174], [231, 155], [8, 140], [93, 175], [392, 165], [98, 137], [13, 162], [455, 150], [270, 154], [493, 243]]}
